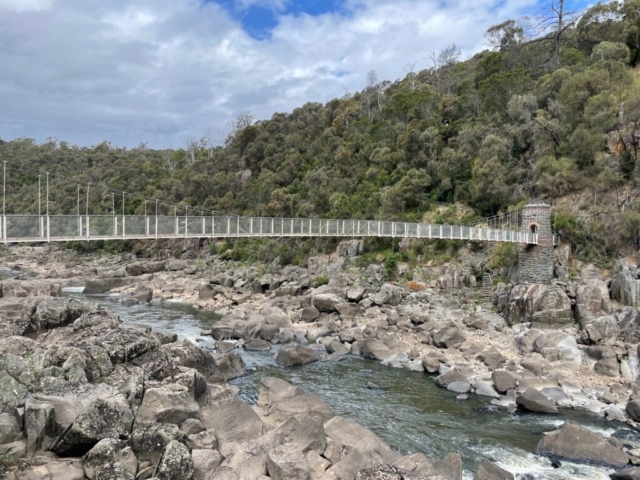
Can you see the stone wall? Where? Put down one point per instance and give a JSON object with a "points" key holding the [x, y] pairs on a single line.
{"points": [[535, 262]]}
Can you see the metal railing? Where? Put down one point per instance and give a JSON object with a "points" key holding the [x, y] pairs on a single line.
{"points": [[64, 228]]}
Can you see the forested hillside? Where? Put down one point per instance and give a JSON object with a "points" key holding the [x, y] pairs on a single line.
{"points": [[553, 117]]}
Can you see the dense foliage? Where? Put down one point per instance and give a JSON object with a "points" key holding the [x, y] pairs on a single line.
{"points": [[532, 118]]}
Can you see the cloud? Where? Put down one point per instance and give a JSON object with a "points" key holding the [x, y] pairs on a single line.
{"points": [[161, 71]]}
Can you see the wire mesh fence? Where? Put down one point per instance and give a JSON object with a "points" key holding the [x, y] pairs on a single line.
{"points": [[28, 228]]}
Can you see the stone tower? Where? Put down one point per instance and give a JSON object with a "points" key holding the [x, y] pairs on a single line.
{"points": [[535, 262]]}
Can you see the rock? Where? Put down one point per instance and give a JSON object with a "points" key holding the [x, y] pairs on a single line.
{"points": [[431, 364], [206, 440], [137, 269], [539, 304], [485, 389], [287, 461], [192, 426], [175, 464], [108, 451], [490, 471], [304, 404], [608, 367], [390, 472], [492, 359], [459, 387], [376, 349], [578, 444], [105, 284], [350, 248], [228, 366], [373, 449], [631, 473], [10, 431], [172, 403], [233, 420], [249, 459], [306, 432], [601, 330], [205, 461], [38, 424], [291, 355], [257, 344], [449, 377], [625, 286], [503, 380], [448, 337], [556, 347], [389, 295], [52, 469], [356, 293], [317, 464], [175, 265], [309, 314], [633, 410], [103, 418], [592, 300], [326, 302], [148, 443], [534, 401], [113, 471], [272, 389], [31, 288]]}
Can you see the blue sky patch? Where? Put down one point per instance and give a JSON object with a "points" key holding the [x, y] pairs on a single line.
{"points": [[258, 20]]}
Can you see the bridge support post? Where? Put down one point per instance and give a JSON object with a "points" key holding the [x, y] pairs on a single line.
{"points": [[535, 260]]}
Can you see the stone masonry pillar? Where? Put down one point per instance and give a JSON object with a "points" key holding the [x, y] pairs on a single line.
{"points": [[535, 262]]}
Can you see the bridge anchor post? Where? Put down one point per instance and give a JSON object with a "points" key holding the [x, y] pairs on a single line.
{"points": [[535, 258]]}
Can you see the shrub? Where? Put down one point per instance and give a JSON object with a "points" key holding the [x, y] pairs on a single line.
{"points": [[505, 256], [322, 280]]}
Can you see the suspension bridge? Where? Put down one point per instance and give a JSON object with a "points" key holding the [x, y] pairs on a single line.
{"points": [[530, 226]]}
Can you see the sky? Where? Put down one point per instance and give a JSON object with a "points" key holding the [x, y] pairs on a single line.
{"points": [[163, 72]]}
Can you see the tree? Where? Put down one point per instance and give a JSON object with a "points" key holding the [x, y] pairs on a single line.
{"points": [[505, 35], [555, 18], [412, 76], [441, 63]]}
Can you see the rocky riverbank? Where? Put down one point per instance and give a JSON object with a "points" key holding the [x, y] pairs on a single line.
{"points": [[572, 344]]}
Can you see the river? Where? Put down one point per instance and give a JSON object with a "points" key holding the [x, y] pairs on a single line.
{"points": [[409, 411]]}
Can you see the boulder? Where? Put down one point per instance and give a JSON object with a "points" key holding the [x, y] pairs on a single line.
{"points": [[113, 471], [592, 300], [172, 403], [389, 295], [257, 344], [142, 268], [309, 314], [534, 401], [376, 349], [290, 355], [31, 288], [390, 472], [303, 404], [601, 330], [608, 367], [232, 419], [633, 410], [272, 389], [625, 286], [103, 418], [492, 358], [175, 464], [148, 443], [287, 461], [205, 461], [631, 473], [542, 305], [356, 293], [503, 380], [372, 448], [578, 444], [490, 471], [306, 432], [326, 302], [106, 452], [448, 337]]}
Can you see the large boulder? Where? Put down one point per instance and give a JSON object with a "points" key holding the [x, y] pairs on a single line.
{"points": [[176, 463], [391, 472], [578, 444], [142, 268], [625, 286], [448, 337], [534, 401], [592, 300], [389, 295], [272, 389], [376, 349], [556, 347], [30, 288], [326, 302], [372, 448], [172, 403], [490, 471], [108, 451], [103, 418], [292, 354], [543, 305], [148, 443], [629, 323], [232, 419], [306, 432], [287, 461], [601, 330]]}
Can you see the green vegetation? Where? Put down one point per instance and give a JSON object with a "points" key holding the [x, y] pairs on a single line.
{"points": [[546, 118], [322, 280]]}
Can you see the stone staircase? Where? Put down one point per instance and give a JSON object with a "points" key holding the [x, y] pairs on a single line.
{"points": [[487, 289]]}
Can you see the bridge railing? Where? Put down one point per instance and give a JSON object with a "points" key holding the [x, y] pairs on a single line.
{"points": [[36, 228]]}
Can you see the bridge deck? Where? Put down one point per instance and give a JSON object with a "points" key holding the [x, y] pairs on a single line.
{"points": [[66, 228]]}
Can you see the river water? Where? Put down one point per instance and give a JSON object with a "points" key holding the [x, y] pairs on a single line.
{"points": [[409, 411]]}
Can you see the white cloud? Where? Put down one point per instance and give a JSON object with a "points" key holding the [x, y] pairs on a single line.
{"points": [[163, 70]]}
